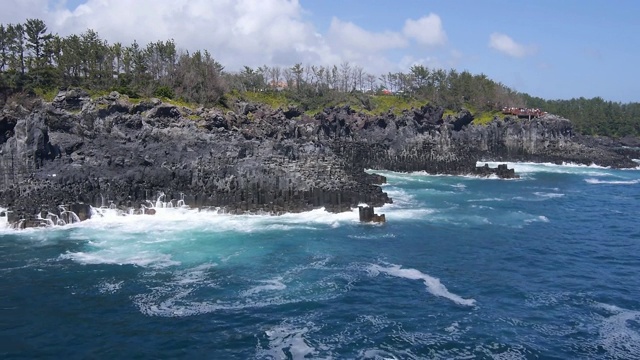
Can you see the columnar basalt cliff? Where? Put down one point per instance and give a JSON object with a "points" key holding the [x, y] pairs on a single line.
{"points": [[546, 139], [111, 152]]}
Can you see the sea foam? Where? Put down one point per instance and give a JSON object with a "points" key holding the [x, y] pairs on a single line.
{"points": [[612, 182], [269, 285], [617, 337], [433, 284]]}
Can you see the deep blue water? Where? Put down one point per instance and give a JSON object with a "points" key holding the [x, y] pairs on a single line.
{"points": [[547, 266]]}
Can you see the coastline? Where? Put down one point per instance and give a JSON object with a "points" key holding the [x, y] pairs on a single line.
{"points": [[86, 152]]}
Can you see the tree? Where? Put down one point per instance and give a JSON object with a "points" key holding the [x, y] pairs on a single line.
{"points": [[17, 47], [345, 76], [5, 41], [297, 71], [198, 78], [420, 74], [37, 39], [116, 50]]}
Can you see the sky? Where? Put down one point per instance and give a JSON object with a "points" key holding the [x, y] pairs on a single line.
{"points": [[546, 48]]}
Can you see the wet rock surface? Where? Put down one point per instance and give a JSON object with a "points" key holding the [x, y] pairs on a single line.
{"points": [[108, 152]]}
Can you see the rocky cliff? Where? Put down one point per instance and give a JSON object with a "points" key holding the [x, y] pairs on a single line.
{"points": [[112, 152]]}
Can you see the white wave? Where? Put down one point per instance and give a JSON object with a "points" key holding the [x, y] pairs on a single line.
{"points": [[527, 168], [144, 259], [454, 328], [377, 354], [424, 177], [195, 275], [548, 195], [401, 198], [392, 214], [538, 196], [110, 287], [539, 166], [540, 218], [287, 342], [485, 200], [183, 297], [616, 337], [482, 207], [613, 182], [269, 285], [372, 236], [214, 220], [434, 286]]}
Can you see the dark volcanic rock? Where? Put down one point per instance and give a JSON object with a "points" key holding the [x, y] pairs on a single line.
{"points": [[73, 99], [502, 171], [367, 214], [109, 152]]}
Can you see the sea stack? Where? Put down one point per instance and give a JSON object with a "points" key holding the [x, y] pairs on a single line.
{"points": [[367, 215]]}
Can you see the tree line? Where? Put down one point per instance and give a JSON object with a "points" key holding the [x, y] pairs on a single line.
{"points": [[306, 83], [32, 58], [594, 116]]}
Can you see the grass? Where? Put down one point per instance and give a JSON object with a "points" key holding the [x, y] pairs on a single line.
{"points": [[368, 104], [382, 104], [134, 100], [179, 102], [47, 95], [95, 94], [271, 98], [448, 112], [484, 118], [365, 103]]}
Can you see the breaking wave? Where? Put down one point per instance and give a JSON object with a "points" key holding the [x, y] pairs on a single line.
{"points": [[613, 182]]}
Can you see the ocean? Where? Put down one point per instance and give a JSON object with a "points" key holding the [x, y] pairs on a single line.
{"points": [[543, 267]]}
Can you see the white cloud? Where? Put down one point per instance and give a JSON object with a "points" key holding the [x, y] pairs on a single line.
{"points": [[348, 35], [15, 12], [235, 32], [506, 45], [242, 32], [408, 61], [426, 31]]}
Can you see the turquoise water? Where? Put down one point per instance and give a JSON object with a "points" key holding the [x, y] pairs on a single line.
{"points": [[547, 266]]}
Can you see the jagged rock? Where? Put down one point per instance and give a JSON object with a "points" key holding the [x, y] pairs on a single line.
{"points": [[83, 211], [164, 111], [257, 160], [73, 99], [367, 215], [502, 171]]}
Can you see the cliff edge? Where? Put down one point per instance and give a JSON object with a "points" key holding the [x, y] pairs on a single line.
{"points": [[111, 152]]}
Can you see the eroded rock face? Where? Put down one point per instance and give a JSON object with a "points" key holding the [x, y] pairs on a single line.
{"points": [[110, 152]]}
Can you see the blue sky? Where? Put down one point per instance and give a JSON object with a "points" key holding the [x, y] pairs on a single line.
{"points": [[552, 49]]}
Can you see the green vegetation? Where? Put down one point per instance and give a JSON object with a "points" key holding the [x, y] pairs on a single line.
{"points": [[273, 99], [33, 61], [486, 117], [395, 104], [594, 116], [46, 94]]}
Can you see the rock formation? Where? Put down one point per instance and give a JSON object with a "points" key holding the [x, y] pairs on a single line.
{"points": [[367, 214], [75, 152]]}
